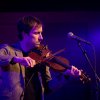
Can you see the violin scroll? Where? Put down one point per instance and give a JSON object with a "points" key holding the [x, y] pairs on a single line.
{"points": [[84, 77]]}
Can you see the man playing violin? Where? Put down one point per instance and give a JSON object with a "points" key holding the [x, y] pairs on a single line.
{"points": [[21, 78]]}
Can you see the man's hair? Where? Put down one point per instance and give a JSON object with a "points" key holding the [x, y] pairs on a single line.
{"points": [[26, 23]]}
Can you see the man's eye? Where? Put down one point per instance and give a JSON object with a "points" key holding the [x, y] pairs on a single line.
{"points": [[36, 32]]}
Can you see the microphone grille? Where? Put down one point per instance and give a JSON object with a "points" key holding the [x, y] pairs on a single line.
{"points": [[70, 34]]}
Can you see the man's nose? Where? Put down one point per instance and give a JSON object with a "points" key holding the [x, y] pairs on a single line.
{"points": [[40, 37]]}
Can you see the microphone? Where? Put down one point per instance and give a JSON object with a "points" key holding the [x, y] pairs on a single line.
{"points": [[71, 35]]}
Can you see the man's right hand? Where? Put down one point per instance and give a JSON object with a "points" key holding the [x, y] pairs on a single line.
{"points": [[26, 61]]}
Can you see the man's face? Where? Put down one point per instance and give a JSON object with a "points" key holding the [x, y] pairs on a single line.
{"points": [[35, 36]]}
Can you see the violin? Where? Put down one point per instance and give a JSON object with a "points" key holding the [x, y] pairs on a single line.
{"points": [[57, 63]]}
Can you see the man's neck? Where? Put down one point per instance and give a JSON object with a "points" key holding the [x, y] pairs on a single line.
{"points": [[25, 46]]}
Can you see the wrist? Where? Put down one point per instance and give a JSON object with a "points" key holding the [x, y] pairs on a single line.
{"points": [[15, 59], [67, 72]]}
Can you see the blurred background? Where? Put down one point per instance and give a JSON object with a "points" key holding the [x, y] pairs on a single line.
{"points": [[57, 22]]}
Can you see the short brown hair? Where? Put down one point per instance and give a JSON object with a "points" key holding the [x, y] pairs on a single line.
{"points": [[26, 23]]}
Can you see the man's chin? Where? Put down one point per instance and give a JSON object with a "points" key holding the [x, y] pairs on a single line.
{"points": [[37, 45]]}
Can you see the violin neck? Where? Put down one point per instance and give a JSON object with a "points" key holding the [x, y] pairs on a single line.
{"points": [[61, 63]]}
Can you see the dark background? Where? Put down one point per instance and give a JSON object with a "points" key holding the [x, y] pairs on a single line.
{"points": [[60, 17]]}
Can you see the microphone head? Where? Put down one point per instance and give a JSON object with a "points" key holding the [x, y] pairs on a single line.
{"points": [[70, 34]]}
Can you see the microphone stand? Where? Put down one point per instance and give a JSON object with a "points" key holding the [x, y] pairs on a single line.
{"points": [[97, 79]]}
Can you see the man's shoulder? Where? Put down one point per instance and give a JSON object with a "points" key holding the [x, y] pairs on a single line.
{"points": [[4, 45], [7, 46]]}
